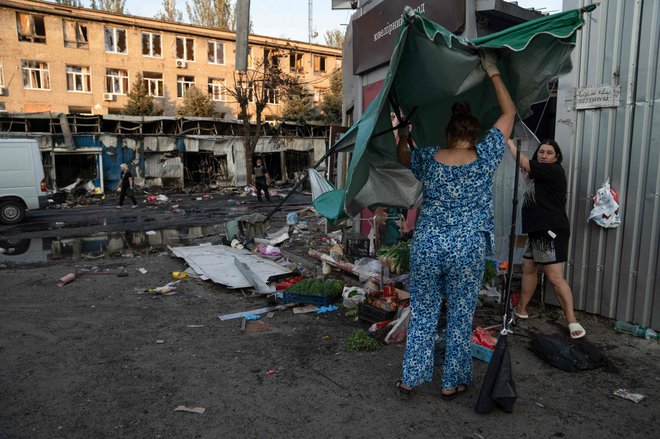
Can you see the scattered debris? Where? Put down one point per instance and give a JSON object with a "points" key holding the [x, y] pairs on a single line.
{"points": [[66, 279], [326, 309], [160, 341], [305, 309], [142, 270], [634, 397], [194, 326], [254, 311], [183, 408]]}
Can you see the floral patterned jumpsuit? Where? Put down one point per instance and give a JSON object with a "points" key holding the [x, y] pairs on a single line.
{"points": [[452, 236]]}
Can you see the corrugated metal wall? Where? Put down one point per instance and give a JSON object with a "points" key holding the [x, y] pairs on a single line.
{"points": [[613, 271]]}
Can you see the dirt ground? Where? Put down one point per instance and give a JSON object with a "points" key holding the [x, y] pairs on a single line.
{"points": [[98, 359]]}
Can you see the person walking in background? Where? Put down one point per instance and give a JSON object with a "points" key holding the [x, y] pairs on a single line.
{"points": [[260, 179], [125, 186], [545, 221], [454, 233]]}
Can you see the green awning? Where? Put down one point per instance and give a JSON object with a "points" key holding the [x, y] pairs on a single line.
{"points": [[431, 69]]}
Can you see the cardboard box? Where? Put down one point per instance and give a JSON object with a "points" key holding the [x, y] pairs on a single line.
{"points": [[481, 352]]}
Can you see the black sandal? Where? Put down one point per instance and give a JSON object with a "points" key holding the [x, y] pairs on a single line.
{"points": [[402, 392], [455, 393]]}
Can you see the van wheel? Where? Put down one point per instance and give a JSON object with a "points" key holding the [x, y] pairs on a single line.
{"points": [[11, 212]]}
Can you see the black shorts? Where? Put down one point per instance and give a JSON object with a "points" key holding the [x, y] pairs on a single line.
{"points": [[548, 246]]}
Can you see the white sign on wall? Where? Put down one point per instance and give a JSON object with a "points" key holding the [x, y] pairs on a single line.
{"points": [[597, 97]]}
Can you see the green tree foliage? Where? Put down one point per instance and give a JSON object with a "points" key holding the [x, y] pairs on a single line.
{"points": [[75, 3], [299, 104], [139, 102], [332, 100], [334, 38], [116, 6], [210, 13], [197, 103], [170, 12]]}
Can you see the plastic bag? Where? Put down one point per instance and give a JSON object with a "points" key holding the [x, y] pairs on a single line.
{"points": [[367, 267], [605, 212], [399, 330], [353, 296]]}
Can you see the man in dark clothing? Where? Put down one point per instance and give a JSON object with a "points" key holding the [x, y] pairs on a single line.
{"points": [[125, 186], [260, 179]]}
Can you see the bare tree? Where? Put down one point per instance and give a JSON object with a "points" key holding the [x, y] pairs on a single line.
{"points": [[253, 90], [170, 12], [210, 13], [334, 38], [116, 6]]}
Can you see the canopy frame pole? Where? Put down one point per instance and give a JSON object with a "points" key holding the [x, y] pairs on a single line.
{"points": [[512, 242]]}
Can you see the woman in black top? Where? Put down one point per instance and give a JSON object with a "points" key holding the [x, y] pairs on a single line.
{"points": [[125, 186], [546, 224]]}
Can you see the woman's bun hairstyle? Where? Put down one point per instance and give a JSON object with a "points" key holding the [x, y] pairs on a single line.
{"points": [[462, 125]]}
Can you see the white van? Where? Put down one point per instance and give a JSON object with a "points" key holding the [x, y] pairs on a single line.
{"points": [[22, 182]]}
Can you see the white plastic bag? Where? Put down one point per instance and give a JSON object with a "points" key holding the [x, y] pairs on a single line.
{"points": [[605, 212], [399, 330], [353, 296]]}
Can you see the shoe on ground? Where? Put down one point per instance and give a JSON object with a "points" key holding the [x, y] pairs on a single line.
{"points": [[520, 315], [576, 330]]}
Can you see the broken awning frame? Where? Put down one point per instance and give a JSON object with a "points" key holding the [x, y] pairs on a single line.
{"points": [[530, 55]]}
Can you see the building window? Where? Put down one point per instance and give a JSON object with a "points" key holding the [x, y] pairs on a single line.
{"points": [[115, 40], [116, 81], [216, 52], [151, 45], [2, 77], [35, 75], [31, 28], [246, 89], [296, 62], [271, 58], [319, 64], [78, 78], [271, 96], [154, 83], [75, 34], [185, 48], [217, 89], [183, 83]]}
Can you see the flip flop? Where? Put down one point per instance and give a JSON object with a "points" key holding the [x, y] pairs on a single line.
{"points": [[576, 327], [454, 394], [402, 392], [519, 315]]}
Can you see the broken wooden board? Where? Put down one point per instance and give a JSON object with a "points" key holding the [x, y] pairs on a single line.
{"points": [[216, 262]]}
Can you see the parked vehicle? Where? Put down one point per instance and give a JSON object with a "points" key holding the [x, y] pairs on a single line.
{"points": [[22, 181]]}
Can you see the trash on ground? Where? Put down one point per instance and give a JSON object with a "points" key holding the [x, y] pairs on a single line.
{"points": [[165, 290], [326, 309], [634, 397], [160, 341], [305, 309], [66, 279], [256, 326], [142, 270], [252, 317], [272, 372], [179, 275], [194, 326], [150, 232], [183, 408], [279, 236], [237, 315]]}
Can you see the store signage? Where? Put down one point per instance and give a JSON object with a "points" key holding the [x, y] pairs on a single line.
{"points": [[597, 97]]}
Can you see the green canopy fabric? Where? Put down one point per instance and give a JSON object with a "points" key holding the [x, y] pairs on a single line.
{"points": [[430, 69]]}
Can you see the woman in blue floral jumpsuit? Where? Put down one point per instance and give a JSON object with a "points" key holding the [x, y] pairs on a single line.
{"points": [[454, 232]]}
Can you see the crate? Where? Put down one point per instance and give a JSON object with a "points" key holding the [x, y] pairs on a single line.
{"points": [[481, 352], [312, 299], [358, 247], [371, 314]]}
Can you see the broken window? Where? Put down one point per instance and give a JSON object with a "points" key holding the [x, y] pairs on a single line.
{"points": [[183, 83], [296, 62], [35, 75], [185, 48], [116, 81], [80, 110], [115, 40], [78, 78], [246, 89], [217, 89], [31, 28], [271, 95], [151, 44], [75, 34], [319, 64], [154, 83], [216, 52], [271, 58]]}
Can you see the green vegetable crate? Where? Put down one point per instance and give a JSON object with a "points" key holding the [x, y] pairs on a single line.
{"points": [[312, 299]]}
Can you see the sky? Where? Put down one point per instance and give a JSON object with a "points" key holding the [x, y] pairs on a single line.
{"points": [[289, 18]]}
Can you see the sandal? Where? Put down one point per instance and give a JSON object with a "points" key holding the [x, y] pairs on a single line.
{"points": [[403, 392], [520, 315], [455, 393], [576, 327]]}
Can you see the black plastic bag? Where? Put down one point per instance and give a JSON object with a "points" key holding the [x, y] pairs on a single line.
{"points": [[560, 354]]}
